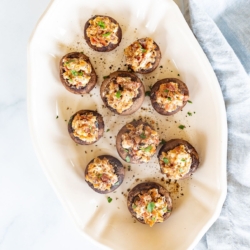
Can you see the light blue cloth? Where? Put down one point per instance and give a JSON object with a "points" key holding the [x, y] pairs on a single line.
{"points": [[222, 28]]}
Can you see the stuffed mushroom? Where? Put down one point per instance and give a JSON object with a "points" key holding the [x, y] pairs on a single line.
{"points": [[136, 142], [169, 95], [86, 127], [104, 174], [143, 56], [77, 73], [122, 92], [102, 33], [149, 203], [178, 159]]}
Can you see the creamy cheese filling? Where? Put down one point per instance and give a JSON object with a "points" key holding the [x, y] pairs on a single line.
{"points": [[150, 206], [102, 31], [140, 142], [120, 93], [77, 72], [141, 55], [176, 162], [85, 127], [101, 174], [169, 96]]}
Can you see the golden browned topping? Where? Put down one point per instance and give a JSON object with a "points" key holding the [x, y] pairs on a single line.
{"points": [[141, 55], [176, 162], [120, 93], [150, 207], [101, 174], [169, 96], [85, 127], [140, 142], [77, 72], [102, 31]]}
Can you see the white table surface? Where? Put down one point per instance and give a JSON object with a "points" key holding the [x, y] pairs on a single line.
{"points": [[31, 216]]}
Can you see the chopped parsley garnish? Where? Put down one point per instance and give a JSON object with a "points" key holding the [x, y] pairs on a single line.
{"points": [[109, 199], [118, 94], [169, 98], [150, 207], [181, 170], [147, 149], [165, 160], [80, 73], [166, 90], [162, 141], [108, 130], [57, 117], [164, 210], [183, 159], [117, 183], [125, 149], [189, 101], [181, 127], [105, 77], [99, 175], [153, 218], [106, 34], [134, 206], [101, 24], [147, 93], [143, 136], [143, 50], [74, 73], [127, 158], [189, 113]]}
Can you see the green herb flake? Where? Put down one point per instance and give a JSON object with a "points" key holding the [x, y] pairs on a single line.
{"points": [[108, 130], [80, 73], [163, 142], [57, 117], [118, 94], [74, 73], [109, 199], [134, 206], [125, 149], [127, 158], [99, 175], [105, 77], [150, 207], [166, 90], [181, 127], [106, 34], [143, 136], [183, 159], [181, 170], [169, 98], [143, 50], [147, 149], [147, 93], [189, 101], [165, 160], [101, 24], [189, 113], [164, 210], [153, 218], [117, 183]]}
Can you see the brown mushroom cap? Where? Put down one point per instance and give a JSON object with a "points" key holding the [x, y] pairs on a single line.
{"points": [[182, 87], [144, 187], [119, 171], [121, 151], [137, 101], [169, 145], [92, 82], [111, 46], [100, 125], [157, 59]]}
